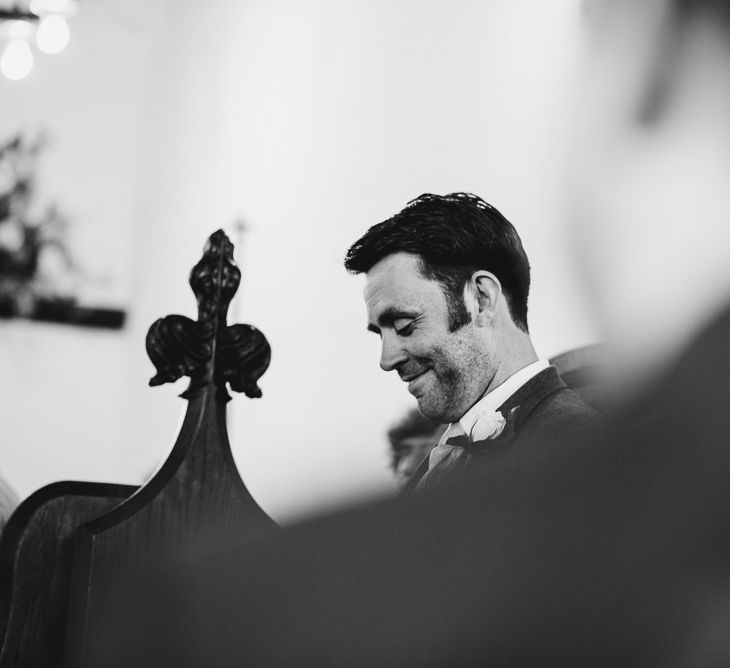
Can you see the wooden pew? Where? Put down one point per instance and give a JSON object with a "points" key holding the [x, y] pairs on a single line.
{"points": [[71, 548]]}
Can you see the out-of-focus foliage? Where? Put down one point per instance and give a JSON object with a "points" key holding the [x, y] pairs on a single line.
{"points": [[34, 260]]}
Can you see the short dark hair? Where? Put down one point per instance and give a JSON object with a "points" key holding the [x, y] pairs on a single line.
{"points": [[454, 235]]}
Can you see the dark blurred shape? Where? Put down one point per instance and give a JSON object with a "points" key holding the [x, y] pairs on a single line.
{"points": [[17, 14], [411, 439], [609, 553], [67, 312]]}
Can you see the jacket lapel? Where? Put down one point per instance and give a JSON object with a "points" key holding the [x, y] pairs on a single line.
{"points": [[518, 408], [532, 393]]}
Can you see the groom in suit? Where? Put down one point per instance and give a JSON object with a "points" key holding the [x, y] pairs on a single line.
{"points": [[447, 282]]}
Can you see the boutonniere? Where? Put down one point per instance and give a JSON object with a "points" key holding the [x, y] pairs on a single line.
{"points": [[487, 426], [494, 432]]}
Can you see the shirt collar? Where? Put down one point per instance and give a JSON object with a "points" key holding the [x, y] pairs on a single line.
{"points": [[493, 399]]}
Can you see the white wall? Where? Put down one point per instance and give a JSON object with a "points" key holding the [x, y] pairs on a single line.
{"points": [[63, 389], [310, 121]]}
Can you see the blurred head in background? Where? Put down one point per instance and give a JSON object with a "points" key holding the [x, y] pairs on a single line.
{"points": [[650, 170], [411, 440]]}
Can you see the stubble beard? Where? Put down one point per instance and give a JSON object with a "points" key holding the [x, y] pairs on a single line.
{"points": [[461, 380]]}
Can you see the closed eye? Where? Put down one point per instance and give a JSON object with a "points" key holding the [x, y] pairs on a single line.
{"points": [[405, 330]]}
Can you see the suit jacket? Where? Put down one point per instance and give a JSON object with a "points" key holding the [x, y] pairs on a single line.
{"points": [[541, 412]]}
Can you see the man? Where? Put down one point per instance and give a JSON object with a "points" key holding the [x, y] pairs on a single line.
{"points": [[411, 440], [446, 290]]}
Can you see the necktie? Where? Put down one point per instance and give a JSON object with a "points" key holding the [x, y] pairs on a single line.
{"points": [[443, 456]]}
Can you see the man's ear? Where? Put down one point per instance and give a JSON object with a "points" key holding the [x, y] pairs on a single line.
{"points": [[487, 290]]}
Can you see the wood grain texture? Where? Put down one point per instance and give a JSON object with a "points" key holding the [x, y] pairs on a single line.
{"points": [[35, 567]]}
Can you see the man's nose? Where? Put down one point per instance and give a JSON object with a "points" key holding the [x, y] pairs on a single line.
{"points": [[392, 353]]}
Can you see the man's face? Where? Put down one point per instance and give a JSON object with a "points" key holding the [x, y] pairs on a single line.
{"points": [[446, 371]]}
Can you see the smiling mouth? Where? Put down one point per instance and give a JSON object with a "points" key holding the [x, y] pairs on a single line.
{"points": [[410, 379]]}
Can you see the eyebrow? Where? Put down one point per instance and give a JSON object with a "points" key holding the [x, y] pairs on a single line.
{"points": [[389, 315]]}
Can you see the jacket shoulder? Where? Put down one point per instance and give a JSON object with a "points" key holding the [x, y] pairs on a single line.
{"points": [[561, 412]]}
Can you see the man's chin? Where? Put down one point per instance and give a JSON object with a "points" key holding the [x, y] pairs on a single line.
{"points": [[428, 410], [437, 412]]}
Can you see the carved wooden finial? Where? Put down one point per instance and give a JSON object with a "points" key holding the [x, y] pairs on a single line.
{"points": [[208, 350]]}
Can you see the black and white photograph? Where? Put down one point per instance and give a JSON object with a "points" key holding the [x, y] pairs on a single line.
{"points": [[364, 333]]}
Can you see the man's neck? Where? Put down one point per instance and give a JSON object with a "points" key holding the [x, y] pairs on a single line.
{"points": [[518, 356], [515, 354]]}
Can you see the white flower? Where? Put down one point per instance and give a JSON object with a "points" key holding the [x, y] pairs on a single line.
{"points": [[487, 426]]}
